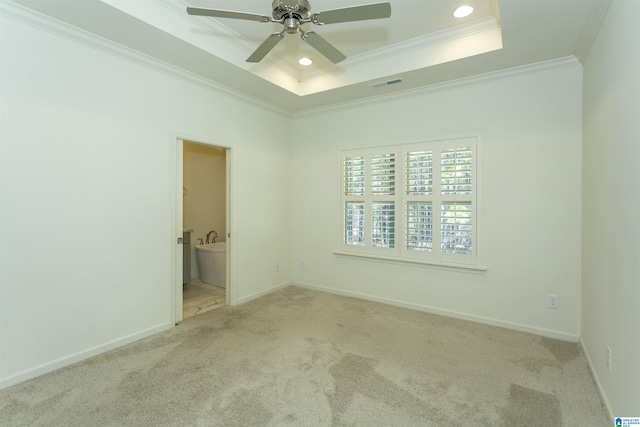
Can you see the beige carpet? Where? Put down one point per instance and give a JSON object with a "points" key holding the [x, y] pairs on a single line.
{"points": [[306, 358]]}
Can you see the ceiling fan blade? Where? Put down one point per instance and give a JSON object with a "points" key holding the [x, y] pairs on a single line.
{"points": [[356, 13], [324, 47], [265, 47], [227, 14]]}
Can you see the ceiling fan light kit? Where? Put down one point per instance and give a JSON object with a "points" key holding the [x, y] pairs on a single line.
{"points": [[292, 14]]}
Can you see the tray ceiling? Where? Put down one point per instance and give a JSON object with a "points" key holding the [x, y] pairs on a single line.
{"points": [[421, 44]]}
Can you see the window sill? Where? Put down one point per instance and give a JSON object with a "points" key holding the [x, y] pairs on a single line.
{"points": [[409, 261]]}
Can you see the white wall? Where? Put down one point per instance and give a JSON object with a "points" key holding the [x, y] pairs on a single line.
{"points": [[530, 129], [204, 205], [611, 207], [88, 196]]}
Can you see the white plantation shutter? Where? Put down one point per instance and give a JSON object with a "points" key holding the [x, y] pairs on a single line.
{"points": [[354, 175], [383, 224], [457, 201], [434, 207], [456, 170], [418, 192], [419, 226], [456, 223], [369, 199], [383, 185], [439, 201], [354, 223], [354, 182], [383, 174], [419, 173]]}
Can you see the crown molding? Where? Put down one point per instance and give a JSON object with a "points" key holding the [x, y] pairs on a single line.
{"points": [[413, 45], [511, 73], [592, 27], [429, 40], [42, 22]]}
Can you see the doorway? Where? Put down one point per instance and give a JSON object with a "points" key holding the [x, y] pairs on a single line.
{"points": [[203, 217]]}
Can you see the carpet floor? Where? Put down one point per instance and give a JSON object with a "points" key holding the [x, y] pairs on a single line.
{"points": [[300, 357]]}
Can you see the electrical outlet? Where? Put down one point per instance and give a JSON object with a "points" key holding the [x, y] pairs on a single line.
{"points": [[301, 265], [553, 302], [609, 358], [277, 267]]}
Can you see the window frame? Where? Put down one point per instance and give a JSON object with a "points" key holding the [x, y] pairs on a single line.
{"points": [[401, 197]]}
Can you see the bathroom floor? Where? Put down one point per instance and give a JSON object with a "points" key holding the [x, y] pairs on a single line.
{"points": [[199, 297]]}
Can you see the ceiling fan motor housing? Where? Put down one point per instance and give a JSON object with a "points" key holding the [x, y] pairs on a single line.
{"points": [[297, 9]]}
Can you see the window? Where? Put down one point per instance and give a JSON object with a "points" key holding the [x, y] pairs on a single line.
{"points": [[412, 202], [369, 199]]}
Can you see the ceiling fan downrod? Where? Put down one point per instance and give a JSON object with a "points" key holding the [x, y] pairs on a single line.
{"points": [[291, 25]]}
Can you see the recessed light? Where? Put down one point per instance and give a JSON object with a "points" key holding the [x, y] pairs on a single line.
{"points": [[305, 61], [463, 11]]}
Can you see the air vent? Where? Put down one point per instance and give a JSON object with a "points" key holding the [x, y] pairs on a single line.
{"points": [[387, 83]]}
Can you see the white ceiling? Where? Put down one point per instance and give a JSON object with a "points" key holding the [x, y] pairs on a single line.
{"points": [[422, 43]]}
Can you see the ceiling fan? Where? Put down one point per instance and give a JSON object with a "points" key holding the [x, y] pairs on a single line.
{"points": [[292, 14]]}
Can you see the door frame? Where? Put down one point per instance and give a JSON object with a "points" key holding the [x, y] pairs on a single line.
{"points": [[177, 224]]}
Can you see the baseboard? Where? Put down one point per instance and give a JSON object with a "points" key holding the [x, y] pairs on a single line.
{"points": [[262, 293], [596, 380], [80, 356], [457, 315]]}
